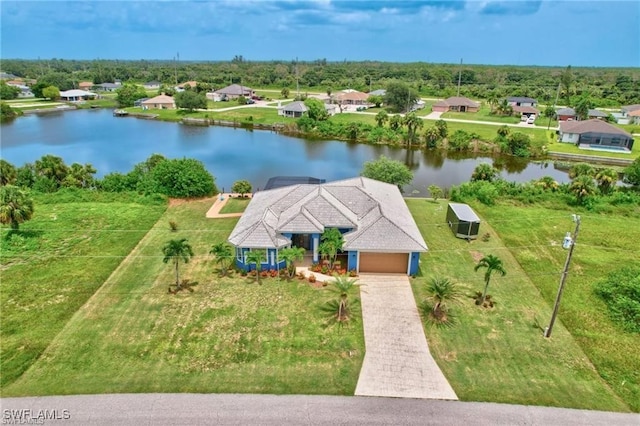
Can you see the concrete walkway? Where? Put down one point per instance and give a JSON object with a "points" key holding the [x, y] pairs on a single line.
{"points": [[221, 200], [397, 362]]}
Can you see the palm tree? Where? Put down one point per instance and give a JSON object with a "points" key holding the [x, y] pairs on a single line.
{"points": [[224, 256], [581, 169], [290, 255], [256, 257], [175, 251], [395, 122], [484, 171], [52, 167], [16, 206], [606, 179], [492, 99], [80, 176], [504, 108], [8, 173], [331, 241], [413, 123], [431, 137], [441, 291], [342, 286], [382, 117], [582, 186], [493, 264], [548, 183]]}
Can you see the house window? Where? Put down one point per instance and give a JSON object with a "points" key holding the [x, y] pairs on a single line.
{"points": [[615, 141], [239, 254]]}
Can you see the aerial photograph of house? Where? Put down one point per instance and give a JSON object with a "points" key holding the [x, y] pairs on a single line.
{"points": [[457, 104]]}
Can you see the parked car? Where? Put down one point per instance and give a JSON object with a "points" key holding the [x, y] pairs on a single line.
{"points": [[531, 119], [250, 101]]}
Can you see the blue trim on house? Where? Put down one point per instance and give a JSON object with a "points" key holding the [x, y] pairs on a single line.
{"points": [[352, 260], [414, 263]]}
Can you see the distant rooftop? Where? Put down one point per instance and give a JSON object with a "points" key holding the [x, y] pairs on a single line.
{"points": [[282, 181]]}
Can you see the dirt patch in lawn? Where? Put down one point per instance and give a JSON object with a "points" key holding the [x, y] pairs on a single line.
{"points": [[476, 255]]}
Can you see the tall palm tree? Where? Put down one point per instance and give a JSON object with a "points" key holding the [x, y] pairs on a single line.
{"points": [[256, 257], [431, 137], [290, 255], [16, 206], [52, 167], [176, 251], [492, 100], [606, 179], [381, 118], [224, 256], [413, 123], [8, 173], [493, 264]]}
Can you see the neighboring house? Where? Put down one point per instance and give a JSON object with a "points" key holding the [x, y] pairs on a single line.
{"points": [[25, 91], [596, 133], [85, 85], [379, 232], [215, 97], [522, 101], [159, 102], [76, 95], [566, 114], [107, 87], [138, 102], [351, 97], [332, 109], [456, 103], [526, 111], [634, 116], [235, 91], [152, 85], [626, 114], [594, 113], [379, 92], [294, 109], [420, 104]]}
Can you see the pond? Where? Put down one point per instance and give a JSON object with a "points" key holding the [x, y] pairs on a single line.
{"points": [[117, 144]]}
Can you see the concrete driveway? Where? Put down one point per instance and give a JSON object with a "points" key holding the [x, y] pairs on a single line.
{"points": [[397, 362]]}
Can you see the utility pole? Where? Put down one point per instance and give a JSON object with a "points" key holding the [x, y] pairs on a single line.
{"points": [[176, 67], [554, 105], [297, 81], [571, 243], [459, 77]]}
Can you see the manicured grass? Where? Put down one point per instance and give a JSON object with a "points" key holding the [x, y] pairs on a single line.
{"points": [[235, 205], [569, 148], [229, 335], [483, 114], [54, 264], [606, 242], [499, 354], [348, 117]]}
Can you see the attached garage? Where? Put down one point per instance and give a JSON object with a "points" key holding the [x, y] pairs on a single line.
{"points": [[396, 263]]}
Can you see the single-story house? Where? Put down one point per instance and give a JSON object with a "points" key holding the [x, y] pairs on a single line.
{"points": [[634, 116], [522, 101], [526, 110], [294, 109], [234, 91], [25, 91], [351, 97], [332, 109], [594, 132], [85, 85], [630, 114], [463, 221], [379, 232], [107, 87], [594, 113], [152, 85], [159, 102], [566, 114], [76, 95], [456, 103]]}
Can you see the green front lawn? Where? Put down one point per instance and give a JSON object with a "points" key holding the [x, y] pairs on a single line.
{"points": [[235, 205], [230, 335], [499, 354]]}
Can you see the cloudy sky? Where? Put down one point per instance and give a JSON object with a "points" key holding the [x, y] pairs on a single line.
{"points": [[548, 32]]}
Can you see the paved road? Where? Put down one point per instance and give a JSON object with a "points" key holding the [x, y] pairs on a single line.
{"points": [[201, 409], [397, 362]]}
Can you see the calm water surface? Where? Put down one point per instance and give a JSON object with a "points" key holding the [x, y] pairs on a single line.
{"points": [[117, 144]]}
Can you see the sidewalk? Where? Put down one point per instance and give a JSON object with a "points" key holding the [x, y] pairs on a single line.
{"points": [[221, 200]]}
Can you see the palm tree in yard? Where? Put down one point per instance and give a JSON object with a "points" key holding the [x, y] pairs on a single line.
{"points": [[15, 206], [441, 292], [176, 251], [493, 264], [340, 310], [224, 255], [290, 255], [256, 257]]}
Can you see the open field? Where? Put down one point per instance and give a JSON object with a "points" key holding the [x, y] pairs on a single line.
{"points": [[499, 354], [55, 263], [229, 335]]}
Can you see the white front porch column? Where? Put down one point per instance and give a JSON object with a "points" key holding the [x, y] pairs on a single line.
{"points": [[316, 241]]}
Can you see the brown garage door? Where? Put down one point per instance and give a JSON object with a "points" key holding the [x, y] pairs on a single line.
{"points": [[384, 262]]}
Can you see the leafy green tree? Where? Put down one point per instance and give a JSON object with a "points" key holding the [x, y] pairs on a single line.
{"points": [[26, 175], [51, 92], [441, 292], [582, 187], [431, 137], [503, 132], [8, 173], [191, 100], [16, 206], [607, 179], [581, 169], [7, 113], [518, 144], [176, 251], [116, 182], [549, 112], [52, 167], [164, 90], [182, 178], [381, 118], [493, 264], [413, 123], [443, 129], [331, 242], [241, 187], [285, 93], [435, 191], [352, 130], [224, 256], [400, 97], [459, 140], [8, 92], [376, 100], [315, 109], [548, 183], [129, 93], [256, 257], [79, 176], [582, 107], [387, 170], [632, 173], [291, 255], [492, 100], [486, 172]]}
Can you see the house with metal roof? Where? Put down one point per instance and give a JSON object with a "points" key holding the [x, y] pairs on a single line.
{"points": [[379, 232], [595, 134], [456, 103]]}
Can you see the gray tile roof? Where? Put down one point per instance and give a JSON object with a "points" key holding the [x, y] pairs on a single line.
{"points": [[566, 111], [297, 106], [458, 101], [592, 126], [522, 99], [629, 108], [597, 113], [375, 211]]}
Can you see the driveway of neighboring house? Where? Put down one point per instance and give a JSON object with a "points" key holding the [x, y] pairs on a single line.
{"points": [[397, 362], [433, 115]]}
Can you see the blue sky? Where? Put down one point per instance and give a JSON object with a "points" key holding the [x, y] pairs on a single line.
{"points": [[578, 33]]}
